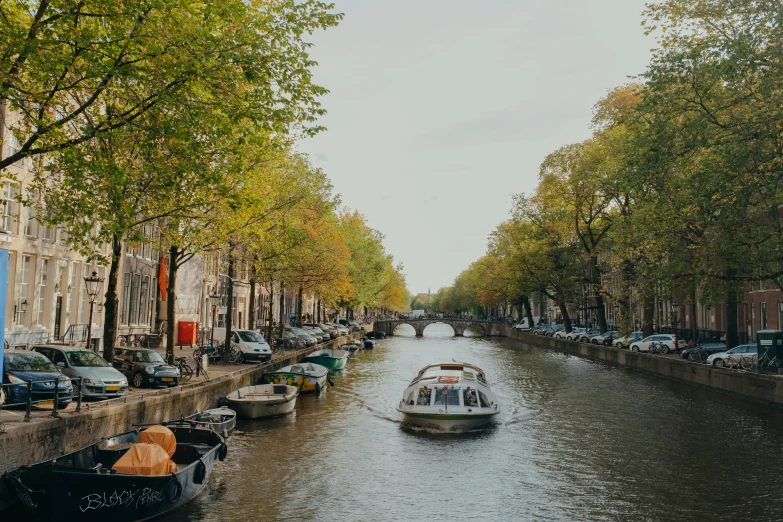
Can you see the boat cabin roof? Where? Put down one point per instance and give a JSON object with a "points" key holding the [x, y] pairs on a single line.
{"points": [[447, 368]]}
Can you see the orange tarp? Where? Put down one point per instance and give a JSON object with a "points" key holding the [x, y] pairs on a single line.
{"points": [[160, 435], [145, 459]]}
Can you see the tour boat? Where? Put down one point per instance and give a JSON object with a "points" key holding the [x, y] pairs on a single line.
{"points": [[307, 377], [449, 397], [263, 400], [331, 358], [124, 478]]}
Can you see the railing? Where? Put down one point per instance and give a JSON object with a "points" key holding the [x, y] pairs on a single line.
{"points": [[75, 333], [56, 398]]}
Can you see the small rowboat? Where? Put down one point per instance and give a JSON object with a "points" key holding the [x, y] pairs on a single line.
{"points": [[307, 377], [352, 348], [220, 420], [263, 400], [331, 358], [83, 486]]}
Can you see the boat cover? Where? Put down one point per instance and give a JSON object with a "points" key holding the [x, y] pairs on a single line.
{"points": [[160, 435], [145, 459]]}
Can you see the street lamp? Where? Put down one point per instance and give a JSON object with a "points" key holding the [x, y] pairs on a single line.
{"points": [[20, 310], [675, 317], [215, 298], [93, 284]]}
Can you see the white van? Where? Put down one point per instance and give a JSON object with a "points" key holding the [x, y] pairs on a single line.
{"points": [[523, 324], [251, 343]]}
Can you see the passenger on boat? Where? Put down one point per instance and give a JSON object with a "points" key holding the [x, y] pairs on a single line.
{"points": [[470, 397], [424, 397]]}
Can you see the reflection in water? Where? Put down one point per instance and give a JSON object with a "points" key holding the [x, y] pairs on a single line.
{"points": [[574, 440]]}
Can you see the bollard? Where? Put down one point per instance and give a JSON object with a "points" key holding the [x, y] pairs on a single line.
{"points": [[56, 404], [29, 413], [79, 397]]}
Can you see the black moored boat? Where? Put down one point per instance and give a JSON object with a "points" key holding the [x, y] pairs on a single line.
{"points": [[81, 485]]}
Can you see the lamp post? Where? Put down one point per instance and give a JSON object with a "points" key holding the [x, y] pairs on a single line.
{"points": [[93, 284], [215, 298], [21, 309]]}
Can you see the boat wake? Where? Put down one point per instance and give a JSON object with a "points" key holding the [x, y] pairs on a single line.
{"points": [[519, 418]]}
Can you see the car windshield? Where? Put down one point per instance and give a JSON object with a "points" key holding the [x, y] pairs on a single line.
{"points": [[316, 330], [148, 357], [299, 331], [251, 337], [288, 334], [28, 362], [85, 359]]}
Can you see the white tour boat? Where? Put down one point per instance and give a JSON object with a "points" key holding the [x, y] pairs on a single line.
{"points": [[449, 396]]}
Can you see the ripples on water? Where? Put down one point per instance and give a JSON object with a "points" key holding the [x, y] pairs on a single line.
{"points": [[575, 440]]}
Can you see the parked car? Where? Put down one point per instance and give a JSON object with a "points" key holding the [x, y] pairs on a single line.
{"points": [[560, 334], [49, 384], [341, 330], [574, 334], [289, 340], [333, 333], [706, 348], [625, 341], [98, 378], [643, 345], [541, 330], [587, 336], [351, 325], [306, 338], [316, 332], [250, 342], [734, 356], [554, 329], [605, 338], [145, 367], [524, 325]]}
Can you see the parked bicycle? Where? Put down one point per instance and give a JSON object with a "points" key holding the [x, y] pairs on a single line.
{"points": [[659, 347], [185, 371]]}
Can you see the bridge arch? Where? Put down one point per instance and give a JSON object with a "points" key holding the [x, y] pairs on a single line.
{"points": [[435, 322], [473, 327], [404, 329]]}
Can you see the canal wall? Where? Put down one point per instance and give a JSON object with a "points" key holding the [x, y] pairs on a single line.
{"points": [[765, 389], [46, 439]]}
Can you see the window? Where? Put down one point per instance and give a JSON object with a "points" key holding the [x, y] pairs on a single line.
{"points": [[763, 316], [447, 396], [483, 400], [153, 300], [425, 395], [29, 222], [24, 286], [10, 217], [47, 233], [13, 144], [72, 289], [125, 308], [43, 274], [134, 299], [144, 299]]}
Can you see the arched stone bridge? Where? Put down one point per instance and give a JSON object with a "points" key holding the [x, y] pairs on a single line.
{"points": [[459, 326]]}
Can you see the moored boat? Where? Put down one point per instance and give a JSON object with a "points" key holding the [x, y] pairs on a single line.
{"points": [[449, 397], [91, 485], [331, 358], [220, 420], [306, 376], [263, 400], [352, 348]]}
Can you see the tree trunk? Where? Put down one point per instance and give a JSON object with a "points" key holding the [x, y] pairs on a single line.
{"points": [[282, 310], [566, 318], [694, 322], [299, 307], [171, 296], [528, 311], [648, 313], [112, 305], [270, 330], [732, 329], [318, 306], [230, 302], [251, 324]]}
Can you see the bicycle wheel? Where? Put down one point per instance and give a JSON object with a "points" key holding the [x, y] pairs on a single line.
{"points": [[185, 372], [236, 355]]}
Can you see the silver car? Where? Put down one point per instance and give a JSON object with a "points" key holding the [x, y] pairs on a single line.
{"points": [[99, 379]]}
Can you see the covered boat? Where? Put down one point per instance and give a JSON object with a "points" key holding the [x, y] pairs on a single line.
{"points": [[331, 358], [450, 397], [220, 420], [306, 376], [113, 481], [263, 400], [352, 348]]}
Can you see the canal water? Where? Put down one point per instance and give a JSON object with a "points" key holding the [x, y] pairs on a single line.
{"points": [[576, 440]]}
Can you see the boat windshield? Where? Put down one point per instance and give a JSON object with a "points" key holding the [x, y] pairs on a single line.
{"points": [[447, 396], [483, 399], [425, 395], [250, 336], [296, 369]]}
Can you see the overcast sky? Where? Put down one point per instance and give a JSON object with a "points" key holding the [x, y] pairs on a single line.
{"points": [[440, 110]]}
